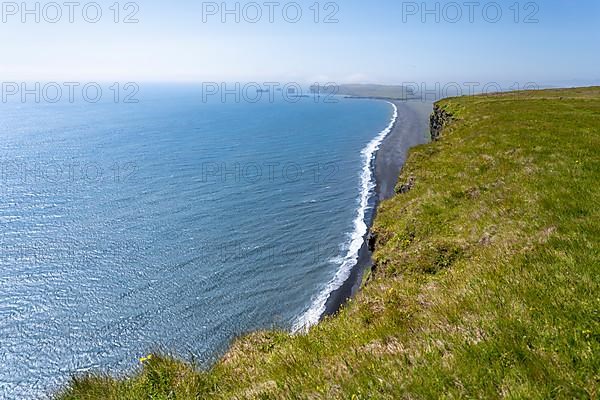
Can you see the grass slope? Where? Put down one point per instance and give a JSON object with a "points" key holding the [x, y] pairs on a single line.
{"points": [[487, 282]]}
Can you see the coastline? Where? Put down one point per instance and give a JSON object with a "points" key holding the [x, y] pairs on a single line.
{"points": [[446, 286], [410, 129]]}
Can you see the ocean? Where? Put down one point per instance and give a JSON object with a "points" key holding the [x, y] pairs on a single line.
{"points": [[175, 224]]}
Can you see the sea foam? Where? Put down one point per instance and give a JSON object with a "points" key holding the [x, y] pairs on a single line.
{"points": [[367, 184]]}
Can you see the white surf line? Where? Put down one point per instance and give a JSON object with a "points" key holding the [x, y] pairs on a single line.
{"points": [[311, 316]]}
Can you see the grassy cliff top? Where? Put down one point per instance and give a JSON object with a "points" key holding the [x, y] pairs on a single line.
{"points": [[487, 282]]}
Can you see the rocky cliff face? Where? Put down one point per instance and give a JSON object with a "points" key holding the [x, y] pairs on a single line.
{"points": [[439, 119]]}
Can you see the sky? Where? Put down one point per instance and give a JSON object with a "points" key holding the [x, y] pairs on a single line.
{"points": [[348, 41]]}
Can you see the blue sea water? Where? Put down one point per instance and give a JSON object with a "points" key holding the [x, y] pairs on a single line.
{"points": [[171, 224]]}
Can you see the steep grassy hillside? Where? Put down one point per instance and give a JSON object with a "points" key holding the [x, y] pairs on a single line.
{"points": [[487, 282]]}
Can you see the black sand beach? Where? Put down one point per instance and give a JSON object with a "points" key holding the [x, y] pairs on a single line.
{"points": [[411, 129]]}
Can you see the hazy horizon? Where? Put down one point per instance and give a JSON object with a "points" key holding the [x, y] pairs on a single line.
{"points": [[550, 43]]}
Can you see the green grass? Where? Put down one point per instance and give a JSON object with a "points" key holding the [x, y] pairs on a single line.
{"points": [[487, 282]]}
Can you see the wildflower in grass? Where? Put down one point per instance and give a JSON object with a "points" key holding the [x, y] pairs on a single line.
{"points": [[147, 358]]}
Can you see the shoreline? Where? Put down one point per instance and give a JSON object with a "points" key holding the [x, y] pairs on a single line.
{"points": [[318, 306], [410, 129]]}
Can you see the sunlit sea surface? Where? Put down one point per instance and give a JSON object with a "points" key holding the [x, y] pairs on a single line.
{"points": [[172, 224]]}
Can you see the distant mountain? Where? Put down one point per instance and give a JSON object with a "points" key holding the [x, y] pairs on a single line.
{"points": [[395, 92]]}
